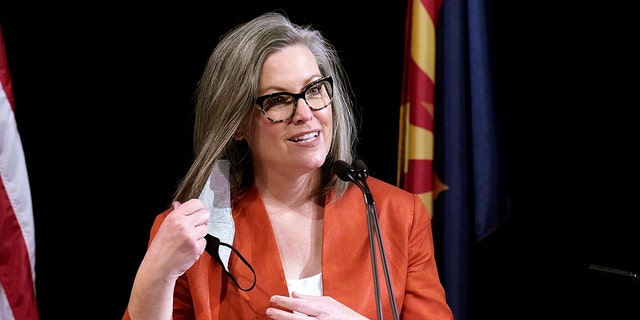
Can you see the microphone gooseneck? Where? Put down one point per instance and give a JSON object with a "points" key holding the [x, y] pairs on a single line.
{"points": [[357, 172]]}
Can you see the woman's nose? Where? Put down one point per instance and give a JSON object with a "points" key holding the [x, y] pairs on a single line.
{"points": [[303, 112]]}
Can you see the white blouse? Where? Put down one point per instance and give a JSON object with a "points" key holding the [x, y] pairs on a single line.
{"points": [[311, 286]]}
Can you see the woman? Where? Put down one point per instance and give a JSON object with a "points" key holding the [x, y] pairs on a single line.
{"points": [[274, 105]]}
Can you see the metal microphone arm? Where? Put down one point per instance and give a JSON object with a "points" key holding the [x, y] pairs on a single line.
{"points": [[358, 174]]}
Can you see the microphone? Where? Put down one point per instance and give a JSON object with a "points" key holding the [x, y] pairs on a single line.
{"points": [[361, 169], [357, 172], [344, 171]]}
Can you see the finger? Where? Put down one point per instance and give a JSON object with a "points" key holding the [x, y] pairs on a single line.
{"points": [[275, 313], [189, 207], [198, 217], [296, 304], [202, 244], [196, 210], [201, 230], [295, 294]]}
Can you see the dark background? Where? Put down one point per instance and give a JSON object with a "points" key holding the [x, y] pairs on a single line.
{"points": [[103, 101]]}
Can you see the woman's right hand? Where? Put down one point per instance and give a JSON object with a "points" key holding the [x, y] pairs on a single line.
{"points": [[180, 240], [176, 246]]}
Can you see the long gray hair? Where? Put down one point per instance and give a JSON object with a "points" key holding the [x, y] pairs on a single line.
{"points": [[225, 100]]}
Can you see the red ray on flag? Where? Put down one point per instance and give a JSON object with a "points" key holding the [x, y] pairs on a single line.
{"points": [[416, 144]]}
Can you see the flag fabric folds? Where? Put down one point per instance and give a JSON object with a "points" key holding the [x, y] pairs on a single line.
{"points": [[450, 150], [17, 235], [416, 141]]}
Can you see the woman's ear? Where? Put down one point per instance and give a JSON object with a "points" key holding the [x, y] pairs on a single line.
{"points": [[240, 134]]}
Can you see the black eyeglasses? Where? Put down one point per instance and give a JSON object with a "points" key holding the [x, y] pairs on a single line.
{"points": [[281, 106]]}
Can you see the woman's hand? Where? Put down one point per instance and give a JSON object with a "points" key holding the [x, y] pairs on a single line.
{"points": [[310, 307], [180, 239], [176, 246]]}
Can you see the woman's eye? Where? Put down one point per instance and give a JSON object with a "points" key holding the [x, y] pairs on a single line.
{"points": [[277, 101], [315, 90]]}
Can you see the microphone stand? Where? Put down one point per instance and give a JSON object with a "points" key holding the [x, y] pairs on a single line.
{"points": [[358, 175]]}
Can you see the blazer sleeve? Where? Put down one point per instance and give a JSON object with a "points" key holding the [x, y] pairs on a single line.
{"points": [[424, 295]]}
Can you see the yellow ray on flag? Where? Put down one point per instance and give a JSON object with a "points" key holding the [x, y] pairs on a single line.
{"points": [[416, 143]]}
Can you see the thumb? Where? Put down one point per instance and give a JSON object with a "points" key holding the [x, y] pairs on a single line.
{"points": [[175, 204]]}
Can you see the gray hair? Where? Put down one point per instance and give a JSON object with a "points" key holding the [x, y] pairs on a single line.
{"points": [[225, 100]]}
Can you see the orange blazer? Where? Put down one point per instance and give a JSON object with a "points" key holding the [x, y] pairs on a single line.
{"points": [[206, 292]]}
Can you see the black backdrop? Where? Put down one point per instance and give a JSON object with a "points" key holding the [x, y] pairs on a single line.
{"points": [[104, 105]]}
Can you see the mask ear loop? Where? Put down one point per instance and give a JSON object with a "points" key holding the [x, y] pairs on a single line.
{"points": [[213, 244]]}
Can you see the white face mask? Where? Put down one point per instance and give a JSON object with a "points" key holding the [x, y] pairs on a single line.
{"points": [[216, 195]]}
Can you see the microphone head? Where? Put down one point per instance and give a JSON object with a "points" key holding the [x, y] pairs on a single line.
{"points": [[343, 170], [361, 168]]}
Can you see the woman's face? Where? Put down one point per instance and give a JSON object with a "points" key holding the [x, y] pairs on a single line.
{"points": [[300, 144]]}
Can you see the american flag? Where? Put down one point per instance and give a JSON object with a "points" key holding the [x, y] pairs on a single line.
{"points": [[17, 233]]}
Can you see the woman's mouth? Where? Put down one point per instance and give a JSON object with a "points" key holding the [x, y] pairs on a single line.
{"points": [[304, 137]]}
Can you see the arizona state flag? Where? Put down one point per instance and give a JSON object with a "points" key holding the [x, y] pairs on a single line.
{"points": [[451, 151], [416, 141]]}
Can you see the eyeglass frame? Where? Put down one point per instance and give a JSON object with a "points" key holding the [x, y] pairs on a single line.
{"points": [[296, 96]]}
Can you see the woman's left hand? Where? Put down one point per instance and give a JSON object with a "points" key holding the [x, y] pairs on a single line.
{"points": [[310, 307]]}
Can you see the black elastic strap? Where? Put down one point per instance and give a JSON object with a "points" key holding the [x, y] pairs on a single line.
{"points": [[213, 244]]}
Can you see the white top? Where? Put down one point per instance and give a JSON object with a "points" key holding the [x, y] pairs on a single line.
{"points": [[311, 286]]}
